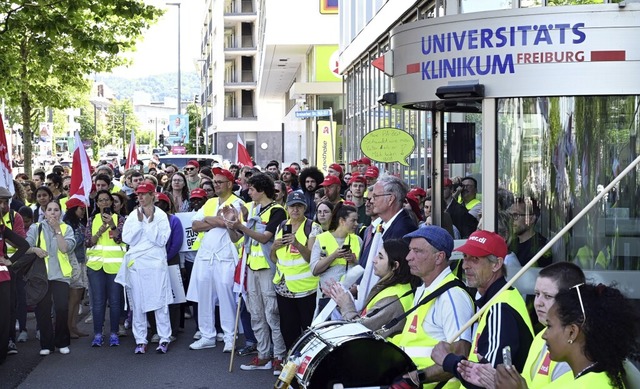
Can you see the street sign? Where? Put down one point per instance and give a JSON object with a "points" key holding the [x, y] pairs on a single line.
{"points": [[313, 113]]}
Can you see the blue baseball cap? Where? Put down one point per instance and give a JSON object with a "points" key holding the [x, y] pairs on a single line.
{"points": [[437, 237]]}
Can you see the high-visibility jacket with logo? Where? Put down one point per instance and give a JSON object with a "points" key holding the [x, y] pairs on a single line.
{"points": [[257, 258], [63, 258], [106, 254], [293, 267], [394, 291], [417, 343], [328, 241], [511, 297], [538, 369], [210, 208]]}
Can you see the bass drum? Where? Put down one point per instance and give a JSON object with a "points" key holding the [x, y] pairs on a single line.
{"points": [[346, 353]]}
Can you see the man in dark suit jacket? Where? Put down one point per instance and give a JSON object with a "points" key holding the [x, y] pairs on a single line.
{"points": [[394, 222]]}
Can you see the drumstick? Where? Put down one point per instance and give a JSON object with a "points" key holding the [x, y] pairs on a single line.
{"points": [[559, 235]]}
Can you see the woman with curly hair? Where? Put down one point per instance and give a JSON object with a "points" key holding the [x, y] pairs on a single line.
{"points": [[179, 192], [593, 329]]}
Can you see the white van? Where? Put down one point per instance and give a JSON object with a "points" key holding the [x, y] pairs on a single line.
{"points": [[180, 160]]}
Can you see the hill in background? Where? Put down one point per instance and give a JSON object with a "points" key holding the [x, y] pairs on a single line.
{"points": [[158, 86]]}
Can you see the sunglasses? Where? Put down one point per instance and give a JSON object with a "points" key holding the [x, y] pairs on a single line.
{"points": [[188, 169], [584, 315]]}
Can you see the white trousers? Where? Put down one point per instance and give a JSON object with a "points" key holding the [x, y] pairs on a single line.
{"points": [[214, 284], [139, 325], [265, 318]]}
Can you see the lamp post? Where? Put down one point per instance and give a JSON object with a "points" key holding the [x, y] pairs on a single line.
{"points": [[179, 91]]}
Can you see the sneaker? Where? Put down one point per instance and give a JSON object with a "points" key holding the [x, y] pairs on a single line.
{"points": [[248, 350], [197, 335], [12, 349], [202, 344], [121, 330], [23, 337], [220, 337], [114, 340], [89, 319], [228, 346], [64, 350], [155, 338], [257, 364], [140, 348], [277, 366], [163, 348], [97, 340], [45, 351]]}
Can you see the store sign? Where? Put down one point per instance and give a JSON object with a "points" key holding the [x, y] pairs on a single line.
{"points": [[524, 52]]}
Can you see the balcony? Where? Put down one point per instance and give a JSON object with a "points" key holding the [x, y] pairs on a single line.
{"points": [[240, 11]]}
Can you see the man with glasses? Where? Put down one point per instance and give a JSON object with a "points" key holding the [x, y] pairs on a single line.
{"points": [[469, 190], [387, 197], [192, 171], [505, 323], [461, 218], [525, 213], [214, 264]]}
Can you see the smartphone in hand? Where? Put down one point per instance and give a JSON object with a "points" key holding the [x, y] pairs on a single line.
{"points": [[506, 357], [287, 229], [346, 247]]}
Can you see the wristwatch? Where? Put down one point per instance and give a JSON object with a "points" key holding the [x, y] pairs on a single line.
{"points": [[59, 233], [422, 376]]}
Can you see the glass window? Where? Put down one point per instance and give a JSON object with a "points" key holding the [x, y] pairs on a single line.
{"points": [[561, 152]]}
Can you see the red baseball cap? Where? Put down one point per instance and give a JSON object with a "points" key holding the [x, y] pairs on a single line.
{"points": [[290, 170], [193, 163], [198, 193], [336, 167], [418, 191], [163, 197], [482, 243], [75, 202], [224, 172], [330, 180], [354, 162], [364, 161], [372, 172], [360, 179], [145, 188]]}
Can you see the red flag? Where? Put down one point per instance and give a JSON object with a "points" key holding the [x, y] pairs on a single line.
{"points": [[80, 187], [6, 177], [132, 157], [242, 158]]}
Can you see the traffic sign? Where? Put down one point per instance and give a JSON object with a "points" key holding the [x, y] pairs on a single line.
{"points": [[313, 113]]}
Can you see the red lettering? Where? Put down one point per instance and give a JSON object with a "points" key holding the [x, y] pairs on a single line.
{"points": [[414, 325]]}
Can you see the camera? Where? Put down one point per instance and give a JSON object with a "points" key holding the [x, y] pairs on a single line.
{"points": [[457, 187], [287, 229]]}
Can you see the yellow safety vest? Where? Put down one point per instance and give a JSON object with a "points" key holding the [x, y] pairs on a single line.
{"points": [[295, 269], [395, 291], [256, 260], [106, 254], [417, 343], [7, 222], [511, 297], [328, 241], [470, 204], [588, 381], [63, 258], [210, 208], [538, 369]]}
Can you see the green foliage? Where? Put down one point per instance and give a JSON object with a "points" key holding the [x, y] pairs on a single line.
{"points": [[195, 114], [158, 86], [47, 50], [120, 114]]}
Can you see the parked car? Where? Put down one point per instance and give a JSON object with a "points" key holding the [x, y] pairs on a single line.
{"points": [[182, 159]]}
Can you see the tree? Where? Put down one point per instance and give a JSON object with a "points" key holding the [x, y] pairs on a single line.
{"points": [[120, 114], [48, 49], [194, 113]]}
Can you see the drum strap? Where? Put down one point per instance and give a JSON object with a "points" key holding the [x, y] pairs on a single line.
{"points": [[375, 311], [425, 300]]}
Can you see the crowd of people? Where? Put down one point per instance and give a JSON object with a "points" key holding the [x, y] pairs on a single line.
{"points": [[286, 241]]}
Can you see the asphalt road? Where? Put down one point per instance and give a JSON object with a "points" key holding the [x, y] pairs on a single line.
{"points": [[119, 367]]}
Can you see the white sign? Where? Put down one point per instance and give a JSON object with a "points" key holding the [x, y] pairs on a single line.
{"points": [[189, 235], [543, 51]]}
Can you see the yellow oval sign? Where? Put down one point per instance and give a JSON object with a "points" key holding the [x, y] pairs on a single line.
{"points": [[388, 144]]}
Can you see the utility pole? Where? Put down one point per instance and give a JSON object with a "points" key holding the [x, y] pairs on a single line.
{"points": [[124, 136]]}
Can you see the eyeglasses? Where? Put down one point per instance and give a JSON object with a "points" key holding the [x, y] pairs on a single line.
{"points": [[375, 196], [188, 169], [219, 182], [517, 216], [584, 315]]}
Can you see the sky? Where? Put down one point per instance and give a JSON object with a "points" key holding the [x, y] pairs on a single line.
{"points": [[157, 51]]}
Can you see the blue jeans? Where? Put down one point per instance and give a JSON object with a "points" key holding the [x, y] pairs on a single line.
{"points": [[102, 287]]}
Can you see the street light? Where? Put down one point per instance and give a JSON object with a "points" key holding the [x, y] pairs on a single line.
{"points": [[179, 91]]}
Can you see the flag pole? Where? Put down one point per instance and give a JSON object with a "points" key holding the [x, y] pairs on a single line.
{"points": [[547, 247]]}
